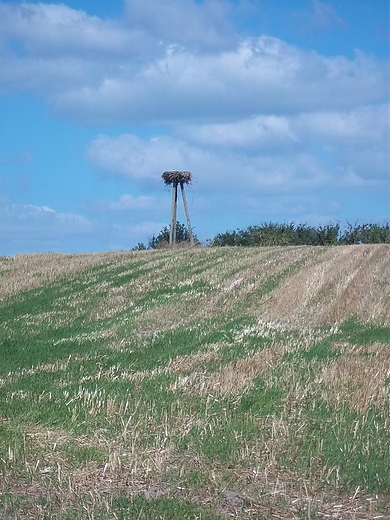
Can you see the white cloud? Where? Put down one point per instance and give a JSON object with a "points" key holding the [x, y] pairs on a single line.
{"points": [[130, 156], [361, 126], [271, 153], [49, 30], [127, 203], [204, 26], [364, 126], [50, 49], [357, 141], [20, 221], [220, 170], [261, 76], [31, 228], [193, 67], [257, 133]]}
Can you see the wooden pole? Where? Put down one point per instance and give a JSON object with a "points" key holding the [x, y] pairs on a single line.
{"points": [[172, 233], [186, 211]]}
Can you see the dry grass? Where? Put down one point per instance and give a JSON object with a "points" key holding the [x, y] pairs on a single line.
{"points": [[360, 382], [232, 280], [343, 281], [23, 272], [232, 379], [257, 492], [252, 315]]}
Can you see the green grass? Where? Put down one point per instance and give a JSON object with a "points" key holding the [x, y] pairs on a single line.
{"points": [[124, 377], [364, 334]]}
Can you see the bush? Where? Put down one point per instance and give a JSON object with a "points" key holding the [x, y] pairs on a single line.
{"points": [[271, 234], [162, 239], [366, 234]]}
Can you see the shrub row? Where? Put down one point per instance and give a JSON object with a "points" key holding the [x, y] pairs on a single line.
{"points": [[272, 234]]}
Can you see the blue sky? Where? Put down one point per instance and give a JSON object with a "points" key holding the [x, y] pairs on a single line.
{"points": [[279, 108]]}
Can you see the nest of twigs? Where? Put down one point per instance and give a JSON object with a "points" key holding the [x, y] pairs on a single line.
{"points": [[174, 177]]}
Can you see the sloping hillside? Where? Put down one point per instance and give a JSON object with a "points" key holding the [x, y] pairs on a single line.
{"points": [[199, 383], [307, 285]]}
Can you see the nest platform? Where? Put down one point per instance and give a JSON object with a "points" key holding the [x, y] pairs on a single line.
{"points": [[176, 177]]}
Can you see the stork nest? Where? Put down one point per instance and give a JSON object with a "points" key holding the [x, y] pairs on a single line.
{"points": [[172, 177]]}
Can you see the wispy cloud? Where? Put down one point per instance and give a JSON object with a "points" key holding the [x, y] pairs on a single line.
{"points": [[277, 153], [23, 158], [30, 228], [324, 16], [127, 203], [26, 217], [320, 16]]}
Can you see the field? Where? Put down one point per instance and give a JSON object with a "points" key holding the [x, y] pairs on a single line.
{"points": [[198, 383]]}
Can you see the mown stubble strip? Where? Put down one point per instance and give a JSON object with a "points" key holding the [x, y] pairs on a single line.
{"points": [[232, 283], [23, 272], [342, 281]]}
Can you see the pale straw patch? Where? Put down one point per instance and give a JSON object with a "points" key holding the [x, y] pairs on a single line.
{"points": [[342, 281], [232, 379], [23, 272], [182, 364], [359, 381]]}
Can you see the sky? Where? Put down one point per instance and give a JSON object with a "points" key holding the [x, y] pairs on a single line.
{"points": [[278, 108]]}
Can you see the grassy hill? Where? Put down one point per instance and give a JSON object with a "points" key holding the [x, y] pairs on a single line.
{"points": [[203, 383]]}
